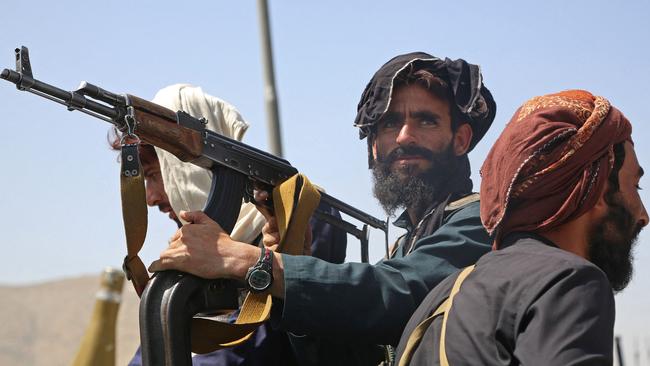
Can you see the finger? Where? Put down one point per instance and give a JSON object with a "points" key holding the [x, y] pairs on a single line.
{"points": [[160, 265], [155, 266], [272, 224], [163, 264], [270, 234], [262, 202], [260, 195], [266, 211], [195, 217], [173, 244], [270, 240], [171, 258], [175, 237], [267, 230]]}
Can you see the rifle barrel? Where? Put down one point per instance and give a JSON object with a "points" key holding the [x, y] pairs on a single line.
{"points": [[72, 100], [353, 212], [115, 109]]}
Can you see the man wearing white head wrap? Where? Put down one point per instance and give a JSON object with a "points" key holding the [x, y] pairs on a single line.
{"points": [[185, 186], [188, 185]]}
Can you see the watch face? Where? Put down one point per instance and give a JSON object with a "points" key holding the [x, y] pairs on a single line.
{"points": [[259, 280]]}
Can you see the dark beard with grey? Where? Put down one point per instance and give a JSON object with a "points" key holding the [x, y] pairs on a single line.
{"points": [[403, 188], [611, 241]]}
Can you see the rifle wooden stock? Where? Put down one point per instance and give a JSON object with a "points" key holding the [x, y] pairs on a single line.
{"points": [[157, 125]]}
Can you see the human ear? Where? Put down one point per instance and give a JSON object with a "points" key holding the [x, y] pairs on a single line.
{"points": [[374, 148], [462, 138], [601, 207]]}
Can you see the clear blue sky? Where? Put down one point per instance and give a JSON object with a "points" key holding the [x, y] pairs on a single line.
{"points": [[59, 189]]}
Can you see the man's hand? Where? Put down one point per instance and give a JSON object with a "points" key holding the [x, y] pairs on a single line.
{"points": [[270, 231], [203, 249]]}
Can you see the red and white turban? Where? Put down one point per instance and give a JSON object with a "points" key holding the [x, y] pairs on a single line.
{"points": [[551, 163]]}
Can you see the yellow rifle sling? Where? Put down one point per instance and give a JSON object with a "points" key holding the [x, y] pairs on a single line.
{"points": [[134, 214], [416, 336], [294, 202]]}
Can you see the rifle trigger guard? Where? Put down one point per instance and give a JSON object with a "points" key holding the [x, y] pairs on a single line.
{"points": [[249, 195]]}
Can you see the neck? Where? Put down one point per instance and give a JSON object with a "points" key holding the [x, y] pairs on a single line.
{"points": [[571, 236], [457, 183], [414, 215]]}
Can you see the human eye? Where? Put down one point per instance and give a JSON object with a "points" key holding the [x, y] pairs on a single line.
{"points": [[151, 174], [388, 125], [429, 122], [638, 187], [391, 125], [427, 119]]}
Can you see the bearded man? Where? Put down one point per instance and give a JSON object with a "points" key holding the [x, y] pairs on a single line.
{"points": [[421, 115], [173, 185], [560, 193]]}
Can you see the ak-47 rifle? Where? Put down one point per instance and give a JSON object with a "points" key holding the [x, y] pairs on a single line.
{"points": [[172, 298]]}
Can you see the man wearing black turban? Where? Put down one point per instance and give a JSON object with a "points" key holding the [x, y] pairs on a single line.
{"points": [[421, 115]]}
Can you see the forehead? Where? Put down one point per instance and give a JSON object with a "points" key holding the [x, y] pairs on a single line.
{"points": [[148, 156], [631, 167], [416, 97]]}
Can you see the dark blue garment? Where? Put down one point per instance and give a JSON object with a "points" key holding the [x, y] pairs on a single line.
{"points": [[268, 346], [366, 305]]}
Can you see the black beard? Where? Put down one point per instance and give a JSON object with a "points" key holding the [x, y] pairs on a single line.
{"points": [[611, 241], [402, 188]]}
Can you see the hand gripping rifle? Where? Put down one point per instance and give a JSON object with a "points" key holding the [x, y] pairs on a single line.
{"points": [[172, 298]]}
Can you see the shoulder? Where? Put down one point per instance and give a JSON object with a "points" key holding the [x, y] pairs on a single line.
{"points": [[544, 257], [534, 256], [461, 228], [539, 271], [463, 215], [463, 209], [462, 202]]}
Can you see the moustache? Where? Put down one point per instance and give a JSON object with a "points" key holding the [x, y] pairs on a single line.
{"points": [[637, 231], [164, 207], [410, 150]]}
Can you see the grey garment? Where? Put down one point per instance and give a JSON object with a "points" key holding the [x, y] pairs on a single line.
{"points": [[528, 304]]}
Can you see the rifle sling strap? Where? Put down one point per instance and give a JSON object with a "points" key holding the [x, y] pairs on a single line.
{"points": [[294, 202], [443, 310], [134, 214]]}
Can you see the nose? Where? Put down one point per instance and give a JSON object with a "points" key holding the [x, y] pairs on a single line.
{"points": [[154, 193], [643, 220], [406, 135]]}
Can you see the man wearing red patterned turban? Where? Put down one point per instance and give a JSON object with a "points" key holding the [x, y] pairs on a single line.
{"points": [[560, 194]]}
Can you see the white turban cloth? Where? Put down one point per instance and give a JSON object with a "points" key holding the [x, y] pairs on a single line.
{"points": [[188, 185]]}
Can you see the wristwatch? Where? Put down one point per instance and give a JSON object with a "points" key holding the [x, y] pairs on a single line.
{"points": [[260, 276]]}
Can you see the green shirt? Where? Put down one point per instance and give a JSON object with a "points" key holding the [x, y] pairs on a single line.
{"points": [[359, 303]]}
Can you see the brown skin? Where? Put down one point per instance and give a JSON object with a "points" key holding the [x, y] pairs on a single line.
{"points": [[155, 188], [417, 117], [572, 236], [202, 248], [270, 232]]}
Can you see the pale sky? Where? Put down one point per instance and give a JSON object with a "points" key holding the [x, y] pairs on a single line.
{"points": [[60, 212]]}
